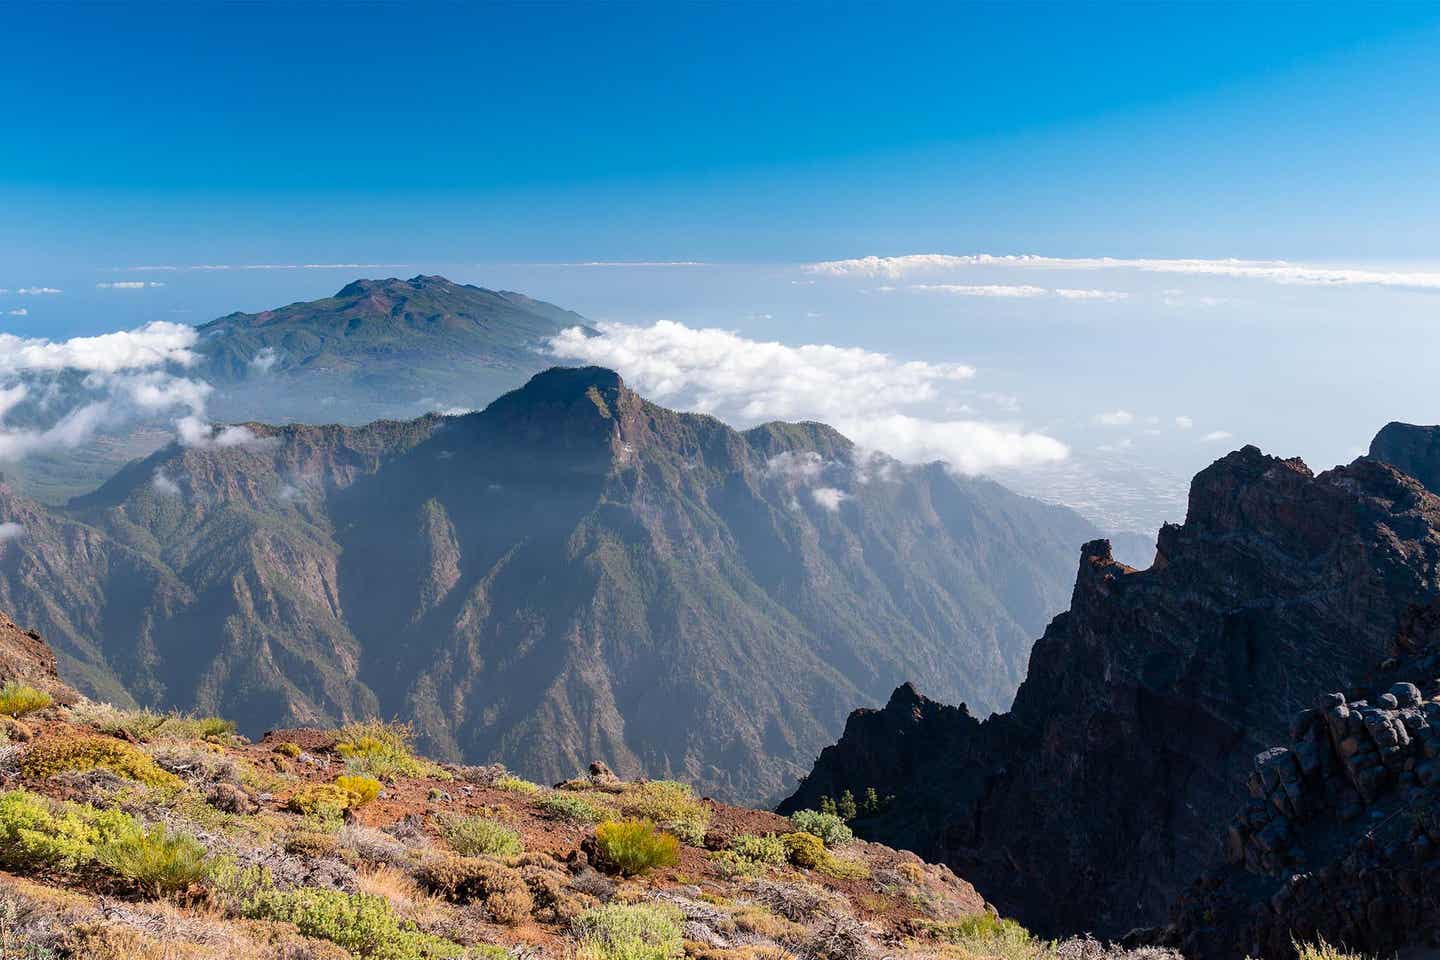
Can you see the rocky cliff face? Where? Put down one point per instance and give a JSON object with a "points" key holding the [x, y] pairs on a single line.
{"points": [[1339, 836], [572, 573], [1108, 783], [1412, 449]]}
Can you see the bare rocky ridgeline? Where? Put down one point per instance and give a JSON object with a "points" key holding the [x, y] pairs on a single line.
{"points": [[1106, 789]]}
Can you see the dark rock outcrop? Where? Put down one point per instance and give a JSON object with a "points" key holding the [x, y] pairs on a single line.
{"points": [[1339, 837], [1106, 787], [1413, 449]]}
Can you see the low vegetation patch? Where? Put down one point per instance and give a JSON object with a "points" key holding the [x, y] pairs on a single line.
{"points": [[329, 801], [48, 757], [382, 750], [477, 836], [518, 785], [671, 805], [145, 725], [629, 932], [18, 699], [565, 806], [40, 834], [500, 889], [364, 924], [769, 849], [634, 846], [827, 826]]}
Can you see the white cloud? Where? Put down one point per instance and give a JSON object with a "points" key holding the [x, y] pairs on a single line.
{"points": [[986, 290], [264, 360], [864, 394], [11, 531], [37, 291], [130, 285], [1184, 423], [828, 498], [1273, 271], [803, 467], [152, 345], [163, 485], [1115, 418], [195, 432], [1108, 296], [19, 312], [1216, 435]]}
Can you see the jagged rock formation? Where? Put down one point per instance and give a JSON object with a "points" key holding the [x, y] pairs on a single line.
{"points": [[1340, 835], [1413, 449], [574, 573], [1106, 786]]}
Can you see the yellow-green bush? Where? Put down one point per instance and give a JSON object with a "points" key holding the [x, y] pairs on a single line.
{"points": [[768, 849], [36, 833], [18, 699], [365, 925], [804, 849], [50, 756], [671, 805], [634, 846], [381, 750], [159, 861], [981, 933], [564, 806], [629, 932], [287, 749], [517, 785], [358, 789], [477, 836]]}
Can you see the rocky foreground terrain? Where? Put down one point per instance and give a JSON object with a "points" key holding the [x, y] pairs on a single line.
{"points": [[130, 835], [1107, 788]]}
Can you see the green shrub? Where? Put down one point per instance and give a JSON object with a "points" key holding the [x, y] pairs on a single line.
{"points": [[50, 756], [730, 865], [672, 805], [629, 932], [158, 861], [634, 846], [983, 933], [805, 850], [365, 925], [211, 729], [769, 849], [287, 749], [381, 750], [477, 836], [827, 826], [140, 725], [564, 806], [18, 699], [36, 833], [517, 785]]}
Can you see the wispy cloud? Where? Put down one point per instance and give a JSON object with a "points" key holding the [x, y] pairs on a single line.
{"points": [[828, 498], [1273, 271], [1025, 291], [1115, 418], [984, 290], [1184, 423], [171, 268], [38, 291], [73, 389], [1214, 436], [868, 396], [18, 312], [11, 531], [130, 285]]}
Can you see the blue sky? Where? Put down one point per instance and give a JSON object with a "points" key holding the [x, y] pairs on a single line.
{"points": [[504, 144]]}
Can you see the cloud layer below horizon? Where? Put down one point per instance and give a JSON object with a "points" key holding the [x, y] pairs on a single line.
{"points": [[870, 397]]}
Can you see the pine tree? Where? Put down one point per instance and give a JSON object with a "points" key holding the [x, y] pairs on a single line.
{"points": [[871, 806], [827, 805]]}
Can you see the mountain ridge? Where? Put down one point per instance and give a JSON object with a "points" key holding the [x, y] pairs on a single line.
{"points": [[572, 573]]}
